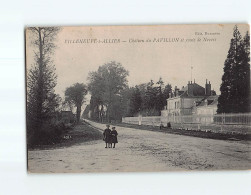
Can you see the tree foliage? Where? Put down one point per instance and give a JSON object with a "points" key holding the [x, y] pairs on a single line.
{"points": [[135, 103], [235, 87], [76, 95], [148, 99], [113, 99], [106, 86], [154, 97], [42, 102]]}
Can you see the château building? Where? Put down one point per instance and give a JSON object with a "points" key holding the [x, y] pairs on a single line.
{"points": [[192, 99]]}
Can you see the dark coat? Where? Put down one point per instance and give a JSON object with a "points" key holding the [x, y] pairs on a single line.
{"points": [[107, 135], [114, 134]]}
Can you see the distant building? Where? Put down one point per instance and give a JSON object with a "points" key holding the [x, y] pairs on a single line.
{"points": [[206, 109], [207, 106], [189, 100]]}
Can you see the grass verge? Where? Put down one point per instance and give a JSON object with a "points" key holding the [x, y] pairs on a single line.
{"points": [[195, 133], [80, 133]]}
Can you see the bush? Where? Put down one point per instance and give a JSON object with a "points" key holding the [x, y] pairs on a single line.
{"points": [[48, 134]]}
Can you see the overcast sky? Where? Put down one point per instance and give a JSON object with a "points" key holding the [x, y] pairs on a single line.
{"points": [[148, 60]]}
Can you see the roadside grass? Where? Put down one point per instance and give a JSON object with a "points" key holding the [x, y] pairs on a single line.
{"points": [[81, 133], [233, 136]]}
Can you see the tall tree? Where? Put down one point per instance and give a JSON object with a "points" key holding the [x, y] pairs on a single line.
{"points": [[236, 78], [135, 102], [106, 84], [42, 101], [125, 101], [167, 90], [149, 96], [76, 95], [246, 93], [96, 112], [160, 101], [143, 88]]}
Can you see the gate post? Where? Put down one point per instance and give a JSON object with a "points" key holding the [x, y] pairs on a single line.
{"points": [[140, 119]]}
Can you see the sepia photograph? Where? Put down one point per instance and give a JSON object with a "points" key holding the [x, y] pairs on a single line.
{"points": [[138, 98]]}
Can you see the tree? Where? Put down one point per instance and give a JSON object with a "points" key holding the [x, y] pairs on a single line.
{"points": [[135, 102], [167, 90], [160, 101], [67, 105], [76, 95], [143, 88], [106, 85], [235, 87], [96, 113], [125, 101], [149, 96], [246, 93], [42, 102]]}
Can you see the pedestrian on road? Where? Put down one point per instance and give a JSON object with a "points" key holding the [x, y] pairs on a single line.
{"points": [[114, 134], [107, 136]]}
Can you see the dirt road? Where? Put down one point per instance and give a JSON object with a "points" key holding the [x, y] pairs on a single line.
{"points": [[140, 150]]}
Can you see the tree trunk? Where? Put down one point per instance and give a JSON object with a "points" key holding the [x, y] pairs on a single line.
{"points": [[40, 82], [102, 113], [78, 113], [108, 113]]}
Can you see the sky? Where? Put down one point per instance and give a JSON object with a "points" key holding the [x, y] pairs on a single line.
{"points": [[168, 51]]}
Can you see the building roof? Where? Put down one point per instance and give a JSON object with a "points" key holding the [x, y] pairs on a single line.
{"points": [[193, 90], [197, 90], [211, 101]]}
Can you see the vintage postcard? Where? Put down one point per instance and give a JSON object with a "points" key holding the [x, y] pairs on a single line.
{"points": [[138, 98]]}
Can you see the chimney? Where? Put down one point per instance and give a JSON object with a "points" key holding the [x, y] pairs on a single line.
{"points": [[207, 88], [170, 94], [176, 91], [190, 88]]}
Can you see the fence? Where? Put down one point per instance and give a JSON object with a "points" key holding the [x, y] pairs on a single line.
{"points": [[233, 119], [225, 119], [221, 122]]}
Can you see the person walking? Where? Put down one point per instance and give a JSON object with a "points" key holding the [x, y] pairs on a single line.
{"points": [[114, 135], [107, 136]]}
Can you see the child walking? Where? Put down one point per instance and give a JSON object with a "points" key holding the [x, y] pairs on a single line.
{"points": [[114, 135], [107, 136]]}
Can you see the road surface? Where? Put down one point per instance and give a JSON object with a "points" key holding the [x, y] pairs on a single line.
{"points": [[140, 150]]}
